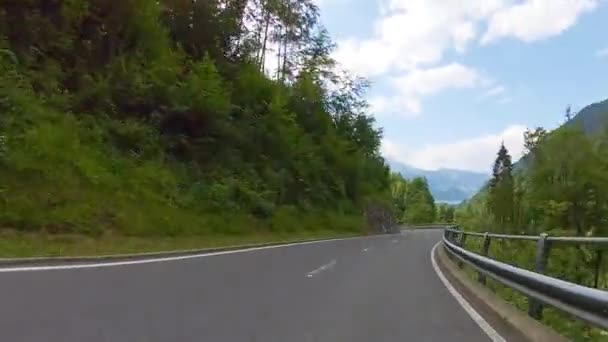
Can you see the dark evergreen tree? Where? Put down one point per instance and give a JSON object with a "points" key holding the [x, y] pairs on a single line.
{"points": [[501, 198]]}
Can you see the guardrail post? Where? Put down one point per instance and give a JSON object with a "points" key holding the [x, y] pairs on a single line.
{"points": [[460, 243], [449, 235], [598, 268], [543, 247], [463, 238], [485, 249]]}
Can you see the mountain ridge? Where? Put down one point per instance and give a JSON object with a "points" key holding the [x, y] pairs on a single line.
{"points": [[591, 118], [447, 185]]}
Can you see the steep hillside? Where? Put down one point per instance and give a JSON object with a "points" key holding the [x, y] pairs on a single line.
{"points": [[156, 118], [592, 119]]}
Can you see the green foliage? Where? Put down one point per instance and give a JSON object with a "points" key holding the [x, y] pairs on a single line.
{"points": [[412, 200], [203, 91], [445, 213], [398, 191], [156, 118], [561, 191], [566, 183], [420, 205]]}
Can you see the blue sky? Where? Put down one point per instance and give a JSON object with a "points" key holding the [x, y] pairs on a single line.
{"points": [[452, 79]]}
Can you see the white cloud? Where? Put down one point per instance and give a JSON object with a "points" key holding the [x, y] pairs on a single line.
{"points": [[411, 88], [602, 53], [379, 104], [477, 153], [395, 105], [425, 82], [533, 20], [411, 38], [433, 80], [495, 91], [412, 34], [462, 33]]}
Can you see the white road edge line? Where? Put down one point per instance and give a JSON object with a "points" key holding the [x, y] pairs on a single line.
{"points": [[156, 260], [321, 269], [482, 323]]}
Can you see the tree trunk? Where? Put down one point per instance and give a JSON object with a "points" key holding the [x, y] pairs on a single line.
{"points": [[279, 56], [263, 54], [242, 9], [258, 35], [284, 67], [285, 39]]}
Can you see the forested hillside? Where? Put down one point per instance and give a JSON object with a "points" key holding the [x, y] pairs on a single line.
{"points": [[592, 119], [173, 117], [560, 190]]}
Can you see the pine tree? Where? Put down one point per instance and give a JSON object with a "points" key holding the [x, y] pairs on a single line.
{"points": [[501, 199]]}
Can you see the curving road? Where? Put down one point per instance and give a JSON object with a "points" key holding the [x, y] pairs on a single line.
{"points": [[366, 289]]}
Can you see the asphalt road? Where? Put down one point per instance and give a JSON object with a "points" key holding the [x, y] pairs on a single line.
{"points": [[368, 289]]}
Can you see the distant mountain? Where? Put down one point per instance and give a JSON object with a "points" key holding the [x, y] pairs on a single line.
{"points": [[592, 119], [447, 185], [455, 186]]}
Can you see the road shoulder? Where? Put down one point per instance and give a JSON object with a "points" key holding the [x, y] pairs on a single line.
{"points": [[511, 323]]}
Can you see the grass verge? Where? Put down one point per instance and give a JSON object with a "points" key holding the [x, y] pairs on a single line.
{"points": [[565, 325], [18, 245]]}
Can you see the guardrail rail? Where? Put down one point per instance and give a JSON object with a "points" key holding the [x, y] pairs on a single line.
{"points": [[586, 303]]}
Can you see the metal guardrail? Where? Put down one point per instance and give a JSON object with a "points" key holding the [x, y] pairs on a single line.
{"points": [[588, 304]]}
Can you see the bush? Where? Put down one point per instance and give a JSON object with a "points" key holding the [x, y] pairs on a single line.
{"points": [[286, 219]]}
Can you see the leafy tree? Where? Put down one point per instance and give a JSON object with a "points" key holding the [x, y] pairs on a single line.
{"points": [[533, 137], [565, 183], [399, 187], [445, 213], [420, 204]]}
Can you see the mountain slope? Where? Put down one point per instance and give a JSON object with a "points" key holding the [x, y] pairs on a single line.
{"points": [[447, 185], [593, 118]]}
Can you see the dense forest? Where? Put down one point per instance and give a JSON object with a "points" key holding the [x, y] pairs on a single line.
{"points": [[178, 117], [413, 202]]}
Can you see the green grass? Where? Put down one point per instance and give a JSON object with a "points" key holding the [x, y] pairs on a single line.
{"points": [[16, 244], [566, 325]]}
